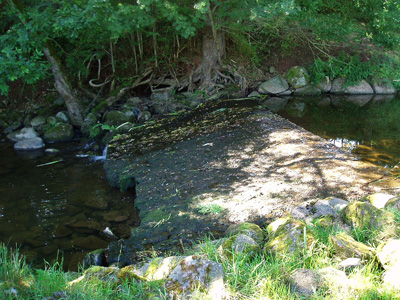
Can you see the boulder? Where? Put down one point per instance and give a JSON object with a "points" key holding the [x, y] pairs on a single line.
{"points": [[297, 77], [365, 215], [388, 253], [62, 116], [275, 85], [160, 267], [308, 90], [378, 200], [105, 274], [115, 118], [393, 203], [339, 87], [197, 277], [250, 229], [325, 85], [304, 282], [275, 104], [347, 247], [391, 278], [239, 245], [30, 144], [38, 122], [382, 86], [61, 132], [286, 235], [25, 133]]}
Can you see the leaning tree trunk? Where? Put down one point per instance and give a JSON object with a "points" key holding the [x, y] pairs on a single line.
{"points": [[63, 87], [61, 80]]}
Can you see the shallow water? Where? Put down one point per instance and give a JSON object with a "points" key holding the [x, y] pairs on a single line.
{"points": [[371, 132], [60, 208]]}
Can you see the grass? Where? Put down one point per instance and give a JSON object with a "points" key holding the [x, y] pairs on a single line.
{"points": [[262, 276]]}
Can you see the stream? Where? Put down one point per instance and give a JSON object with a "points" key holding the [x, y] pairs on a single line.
{"points": [[57, 206]]}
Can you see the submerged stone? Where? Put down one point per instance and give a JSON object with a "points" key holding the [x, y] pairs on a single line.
{"points": [[30, 144]]}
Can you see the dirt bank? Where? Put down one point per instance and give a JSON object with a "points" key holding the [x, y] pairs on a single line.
{"points": [[254, 167]]}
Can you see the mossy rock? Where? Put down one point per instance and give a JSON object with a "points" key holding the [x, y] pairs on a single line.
{"points": [[115, 118], [61, 132], [378, 200], [297, 77], [159, 268], [288, 237], [326, 221], [393, 203], [365, 215], [347, 247], [239, 245], [388, 253], [250, 229], [130, 273], [104, 274]]}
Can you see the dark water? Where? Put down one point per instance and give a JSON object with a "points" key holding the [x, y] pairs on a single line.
{"points": [[59, 209], [370, 131]]}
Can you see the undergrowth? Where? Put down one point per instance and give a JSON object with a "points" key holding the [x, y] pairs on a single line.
{"points": [[260, 276]]}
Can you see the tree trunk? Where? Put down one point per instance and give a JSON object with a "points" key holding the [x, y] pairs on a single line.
{"points": [[63, 87]]}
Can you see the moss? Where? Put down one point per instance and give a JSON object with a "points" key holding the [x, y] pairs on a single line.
{"points": [[347, 247], [99, 107], [156, 215], [128, 274], [230, 247], [326, 221], [250, 229], [365, 215]]}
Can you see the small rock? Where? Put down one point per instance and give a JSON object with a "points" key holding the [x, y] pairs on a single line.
{"points": [[38, 122], [239, 245], [62, 116], [350, 264], [304, 282], [25, 133]]}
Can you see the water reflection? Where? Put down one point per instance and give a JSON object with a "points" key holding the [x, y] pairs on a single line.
{"points": [[366, 125], [59, 208]]}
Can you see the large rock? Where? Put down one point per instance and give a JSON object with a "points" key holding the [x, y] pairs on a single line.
{"points": [[339, 87], [25, 133], [196, 277], [388, 253], [391, 278], [325, 85], [61, 132], [30, 144], [365, 215], [286, 236], [275, 85], [378, 200], [38, 122], [239, 245], [382, 86], [297, 77], [250, 229], [308, 90], [160, 267], [115, 118], [347, 247]]}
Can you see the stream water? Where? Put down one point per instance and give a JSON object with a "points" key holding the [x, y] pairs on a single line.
{"points": [[61, 209]]}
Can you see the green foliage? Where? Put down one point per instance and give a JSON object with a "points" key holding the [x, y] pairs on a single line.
{"points": [[210, 209], [99, 128]]}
